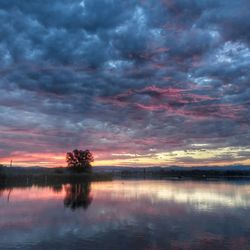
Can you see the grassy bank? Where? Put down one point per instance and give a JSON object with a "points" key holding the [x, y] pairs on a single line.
{"points": [[46, 177], [14, 177], [187, 174]]}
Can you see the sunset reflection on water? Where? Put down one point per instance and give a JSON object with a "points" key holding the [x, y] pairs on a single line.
{"points": [[140, 214]]}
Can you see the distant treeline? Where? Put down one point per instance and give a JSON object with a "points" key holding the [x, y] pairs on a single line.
{"points": [[189, 173]]}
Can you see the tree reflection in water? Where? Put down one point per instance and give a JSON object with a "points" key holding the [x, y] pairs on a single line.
{"points": [[57, 188], [2, 189], [78, 195]]}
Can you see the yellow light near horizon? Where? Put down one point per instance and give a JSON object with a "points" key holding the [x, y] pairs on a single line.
{"points": [[192, 157], [174, 157]]}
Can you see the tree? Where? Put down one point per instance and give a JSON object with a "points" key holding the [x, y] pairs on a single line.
{"points": [[80, 160]]}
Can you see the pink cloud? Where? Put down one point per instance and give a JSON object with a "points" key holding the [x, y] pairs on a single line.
{"points": [[175, 101]]}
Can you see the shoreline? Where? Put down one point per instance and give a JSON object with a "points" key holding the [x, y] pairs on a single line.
{"points": [[51, 179], [58, 176]]}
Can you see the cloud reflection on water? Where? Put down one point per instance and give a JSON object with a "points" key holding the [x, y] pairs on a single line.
{"points": [[128, 214]]}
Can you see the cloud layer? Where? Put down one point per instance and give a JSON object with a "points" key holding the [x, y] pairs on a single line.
{"points": [[125, 77]]}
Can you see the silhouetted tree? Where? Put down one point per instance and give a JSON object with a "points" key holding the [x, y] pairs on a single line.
{"points": [[78, 195], [80, 160]]}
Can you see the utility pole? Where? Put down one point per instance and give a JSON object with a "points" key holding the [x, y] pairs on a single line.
{"points": [[11, 163]]}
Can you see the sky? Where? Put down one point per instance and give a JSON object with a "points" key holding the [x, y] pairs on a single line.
{"points": [[137, 82]]}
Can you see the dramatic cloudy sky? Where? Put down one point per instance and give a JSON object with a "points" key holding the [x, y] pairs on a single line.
{"points": [[138, 82]]}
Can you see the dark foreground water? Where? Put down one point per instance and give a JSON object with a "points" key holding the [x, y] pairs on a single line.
{"points": [[127, 215]]}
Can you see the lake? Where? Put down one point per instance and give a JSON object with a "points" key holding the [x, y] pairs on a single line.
{"points": [[127, 214]]}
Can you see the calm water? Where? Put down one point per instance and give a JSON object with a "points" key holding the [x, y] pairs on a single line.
{"points": [[127, 215]]}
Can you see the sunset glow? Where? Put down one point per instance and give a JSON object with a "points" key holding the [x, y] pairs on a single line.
{"points": [[182, 158]]}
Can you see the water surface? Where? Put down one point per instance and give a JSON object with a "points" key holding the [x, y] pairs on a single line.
{"points": [[129, 214]]}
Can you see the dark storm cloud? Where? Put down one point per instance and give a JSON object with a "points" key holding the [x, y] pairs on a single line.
{"points": [[123, 75]]}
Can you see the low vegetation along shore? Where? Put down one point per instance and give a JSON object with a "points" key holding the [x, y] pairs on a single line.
{"points": [[189, 174], [50, 176], [46, 176]]}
